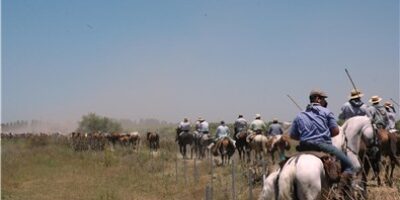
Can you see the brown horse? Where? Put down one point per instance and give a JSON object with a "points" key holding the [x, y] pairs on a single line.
{"points": [[382, 153], [279, 143], [243, 146], [153, 140], [226, 149]]}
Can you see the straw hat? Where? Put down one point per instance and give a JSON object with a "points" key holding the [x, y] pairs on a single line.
{"points": [[354, 94], [275, 120], [388, 104], [375, 99]]}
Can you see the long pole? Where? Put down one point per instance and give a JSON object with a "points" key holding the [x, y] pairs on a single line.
{"points": [[295, 102], [395, 102], [351, 80]]}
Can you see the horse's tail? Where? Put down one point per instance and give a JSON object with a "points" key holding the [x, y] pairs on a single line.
{"points": [[287, 180]]}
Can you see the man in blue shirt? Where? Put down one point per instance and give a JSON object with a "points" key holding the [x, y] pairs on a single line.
{"points": [[353, 107], [275, 128], [314, 127]]}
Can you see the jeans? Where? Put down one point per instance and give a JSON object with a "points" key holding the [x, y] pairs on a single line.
{"points": [[347, 165]]}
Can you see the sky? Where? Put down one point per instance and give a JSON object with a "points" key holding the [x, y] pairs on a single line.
{"points": [[131, 59]]}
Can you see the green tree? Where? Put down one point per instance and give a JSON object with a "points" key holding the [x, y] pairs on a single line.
{"points": [[92, 123], [397, 125]]}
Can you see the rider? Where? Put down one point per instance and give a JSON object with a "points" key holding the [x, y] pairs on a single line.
{"points": [[378, 113], [258, 126], [184, 126], [223, 131], [314, 127], [353, 107], [275, 128], [204, 127], [391, 112], [239, 125]]}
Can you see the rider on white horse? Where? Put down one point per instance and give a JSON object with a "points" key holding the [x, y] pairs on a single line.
{"points": [[353, 107], [314, 127], [257, 127]]}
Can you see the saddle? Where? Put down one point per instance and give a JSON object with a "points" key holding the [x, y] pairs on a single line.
{"points": [[331, 165]]}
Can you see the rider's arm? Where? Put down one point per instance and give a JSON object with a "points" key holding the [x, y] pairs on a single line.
{"points": [[332, 125], [294, 133], [334, 131]]}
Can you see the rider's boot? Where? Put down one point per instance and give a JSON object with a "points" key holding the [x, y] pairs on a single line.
{"points": [[344, 186]]}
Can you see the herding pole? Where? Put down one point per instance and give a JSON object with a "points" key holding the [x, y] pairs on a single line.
{"points": [[295, 102], [395, 102], [351, 80]]}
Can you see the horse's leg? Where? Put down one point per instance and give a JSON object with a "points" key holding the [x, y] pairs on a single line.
{"points": [[184, 151], [273, 157], [191, 151], [393, 165]]}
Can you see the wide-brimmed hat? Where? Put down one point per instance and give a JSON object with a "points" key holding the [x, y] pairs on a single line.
{"points": [[354, 94], [200, 119], [258, 116], [375, 99], [318, 93], [387, 104], [275, 120]]}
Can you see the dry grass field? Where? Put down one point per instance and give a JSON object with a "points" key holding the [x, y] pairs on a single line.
{"points": [[53, 170]]}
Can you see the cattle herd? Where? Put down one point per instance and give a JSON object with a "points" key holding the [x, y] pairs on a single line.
{"points": [[82, 141]]}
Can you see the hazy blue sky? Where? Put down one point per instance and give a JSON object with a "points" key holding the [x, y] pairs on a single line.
{"points": [[172, 59]]}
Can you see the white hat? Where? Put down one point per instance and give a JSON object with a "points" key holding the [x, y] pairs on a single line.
{"points": [[258, 116]]}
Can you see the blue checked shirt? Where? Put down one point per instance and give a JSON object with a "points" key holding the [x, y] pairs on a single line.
{"points": [[313, 125]]}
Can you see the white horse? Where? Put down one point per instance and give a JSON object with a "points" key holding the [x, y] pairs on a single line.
{"points": [[259, 144], [303, 176], [269, 188]]}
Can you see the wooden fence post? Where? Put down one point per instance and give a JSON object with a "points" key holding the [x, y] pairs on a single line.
{"points": [[233, 181], [250, 185]]}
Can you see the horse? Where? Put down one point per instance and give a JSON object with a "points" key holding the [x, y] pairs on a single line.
{"points": [[226, 149], [303, 176], [269, 186], [280, 143], [386, 149], [242, 145], [134, 140], [259, 144], [184, 139], [205, 142], [197, 145], [153, 140]]}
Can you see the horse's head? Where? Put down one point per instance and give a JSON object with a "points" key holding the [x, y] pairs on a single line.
{"points": [[352, 132]]}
